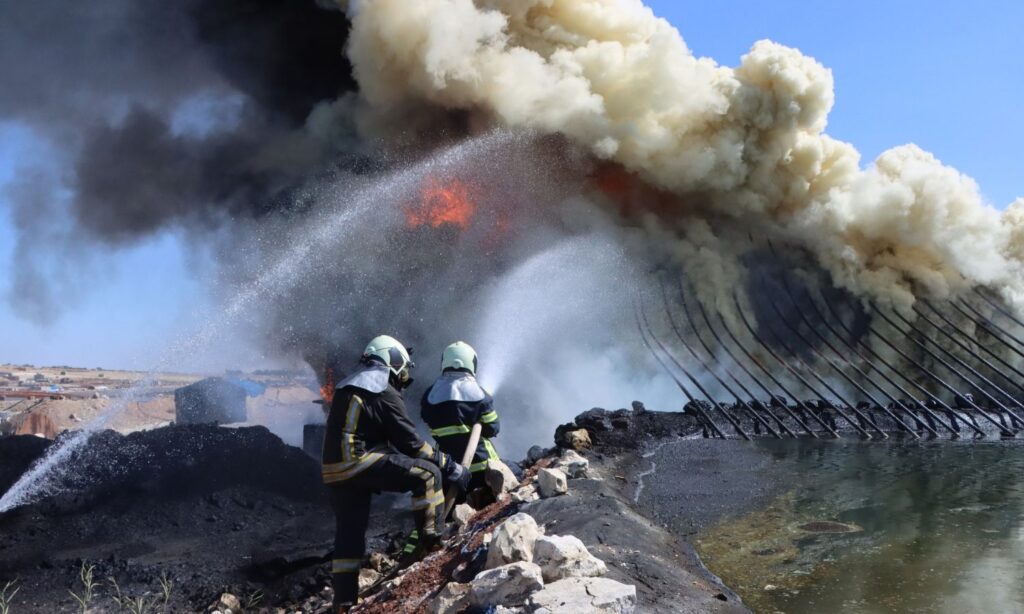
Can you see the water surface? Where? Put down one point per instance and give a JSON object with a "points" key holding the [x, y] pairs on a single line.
{"points": [[873, 527]]}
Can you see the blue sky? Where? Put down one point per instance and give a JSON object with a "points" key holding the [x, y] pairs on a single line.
{"points": [[945, 75]]}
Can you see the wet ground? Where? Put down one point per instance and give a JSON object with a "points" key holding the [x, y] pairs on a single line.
{"points": [[827, 526]]}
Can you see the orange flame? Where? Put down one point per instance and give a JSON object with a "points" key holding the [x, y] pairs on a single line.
{"points": [[442, 204], [327, 390]]}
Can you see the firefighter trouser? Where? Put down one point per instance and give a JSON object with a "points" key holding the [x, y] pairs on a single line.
{"points": [[350, 500]]}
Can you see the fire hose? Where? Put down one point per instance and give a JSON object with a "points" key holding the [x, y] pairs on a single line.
{"points": [[467, 459]]}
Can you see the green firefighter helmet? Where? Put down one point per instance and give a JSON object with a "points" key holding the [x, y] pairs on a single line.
{"points": [[392, 353], [459, 356]]}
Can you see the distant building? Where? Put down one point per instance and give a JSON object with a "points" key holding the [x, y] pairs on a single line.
{"points": [[212, 400]]}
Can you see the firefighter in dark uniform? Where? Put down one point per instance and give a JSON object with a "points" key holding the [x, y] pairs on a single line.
{"points": [[454, 403], [371, 445]]}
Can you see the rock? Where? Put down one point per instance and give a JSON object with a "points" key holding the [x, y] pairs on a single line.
{"points": [[535, 453], [596, 419], [573, 464], [638, 407], [462, 514], [367, 577], [381, 562], [621, 422], [500, 478], [228, 601], [565, 556], [503, 610], [513, 541], [454, 597], [578, 440], [507, 585], [525, 494], [551, 483], [586, 595]]}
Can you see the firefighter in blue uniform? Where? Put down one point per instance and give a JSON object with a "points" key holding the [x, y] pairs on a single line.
{"points": [[454, 403], [371, 445]]}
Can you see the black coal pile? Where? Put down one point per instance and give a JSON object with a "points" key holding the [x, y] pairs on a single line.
{"points": [[624, 429], [204, 508]]}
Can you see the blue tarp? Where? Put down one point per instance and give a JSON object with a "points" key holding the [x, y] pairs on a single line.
{"points": [[252, 389]]}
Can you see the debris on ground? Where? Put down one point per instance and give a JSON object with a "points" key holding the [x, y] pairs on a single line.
{"points": [[552, 482], [255, 536]]}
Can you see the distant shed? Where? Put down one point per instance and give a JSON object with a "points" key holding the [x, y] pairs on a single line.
{"points": [[212, 400]]}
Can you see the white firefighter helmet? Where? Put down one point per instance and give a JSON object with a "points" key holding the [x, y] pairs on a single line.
{"points": [[392, 353], [459, 355]]}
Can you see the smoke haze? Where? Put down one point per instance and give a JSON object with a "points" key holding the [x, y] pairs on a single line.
{"points": [[586, 145]]}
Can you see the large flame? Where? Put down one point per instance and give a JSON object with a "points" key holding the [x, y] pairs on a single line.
{"points": [[442, 203]]}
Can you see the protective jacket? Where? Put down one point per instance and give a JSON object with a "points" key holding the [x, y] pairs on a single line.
{"points": [[451, 406], [367, 420], [371, 445]]}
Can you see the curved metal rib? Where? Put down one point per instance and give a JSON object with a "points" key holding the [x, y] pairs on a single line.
{"points": [[949, 367], [875, 356], [916, 364], [989, 325], [690, 377], [960, 362], [771, 377], [997, 306], [641, 320], [983, 347], [682, 339], [786, 366], [838, 370], [800, 362], [974, 354]]}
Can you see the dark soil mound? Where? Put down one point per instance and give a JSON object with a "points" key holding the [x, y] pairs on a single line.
{"points": [[628, 429], [16, 454], [209, 508]]}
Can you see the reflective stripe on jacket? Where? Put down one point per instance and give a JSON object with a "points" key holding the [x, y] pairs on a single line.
{"points": [[451, 420], [362, 426]]}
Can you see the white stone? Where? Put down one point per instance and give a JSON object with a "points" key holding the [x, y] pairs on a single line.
{"points": [[228, 601], [586, 596], [565, 556], [454, 597], [552, 482], [525, 494], [513, 541], [462, 514], [367, 577], [500, 478], [381, 562], [503, 610], [573, 464], [508, 585]]}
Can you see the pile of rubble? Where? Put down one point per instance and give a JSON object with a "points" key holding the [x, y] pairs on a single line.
{"points": [[526, 570], [498, 559]]}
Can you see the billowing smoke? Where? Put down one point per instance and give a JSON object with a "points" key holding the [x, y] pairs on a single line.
{"points": [[511, 173], [745, 143], [157, 115]]}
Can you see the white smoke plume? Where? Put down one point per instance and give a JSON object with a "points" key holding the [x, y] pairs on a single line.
{"points": [[745, 143]]}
